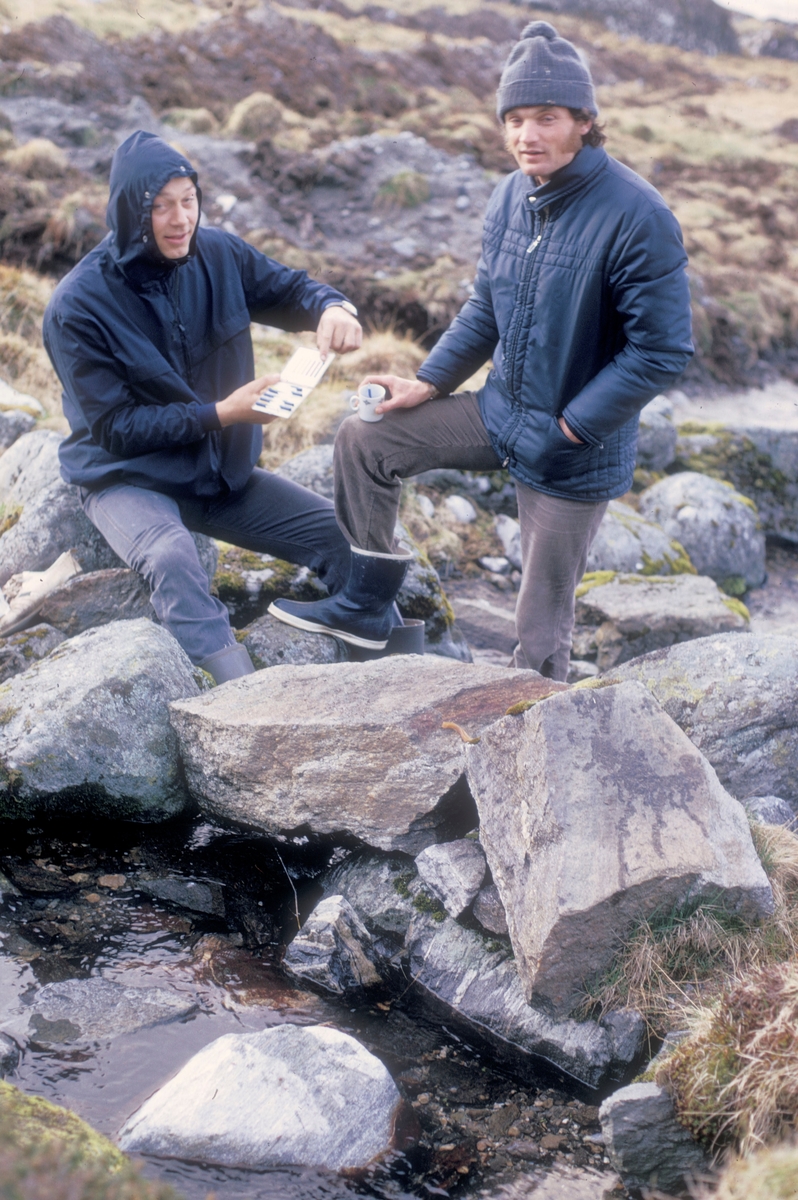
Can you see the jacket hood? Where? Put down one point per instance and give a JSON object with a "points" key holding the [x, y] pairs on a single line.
{"points": [[142, 165]]}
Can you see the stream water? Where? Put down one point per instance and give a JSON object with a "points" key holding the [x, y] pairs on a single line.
{"points": [[86, 907]]}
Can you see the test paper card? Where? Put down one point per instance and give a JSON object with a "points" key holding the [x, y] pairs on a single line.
{"points": [[297, 380]]}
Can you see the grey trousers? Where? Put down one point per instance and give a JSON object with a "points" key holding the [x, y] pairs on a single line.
{"points": [[150, 532], [371, 460]]}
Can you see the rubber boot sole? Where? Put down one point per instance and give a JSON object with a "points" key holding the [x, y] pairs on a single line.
{"points": [[316, 627]]}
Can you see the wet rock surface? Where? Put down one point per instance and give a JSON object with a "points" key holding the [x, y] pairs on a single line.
{"points": [[312, 1096], [631, 615], [667, 830], [734, 697], [79, 1010], [333, 950], [103, 695], [352, 747]]}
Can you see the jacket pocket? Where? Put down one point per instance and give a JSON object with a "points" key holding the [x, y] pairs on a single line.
{"points": [[559, 457]]}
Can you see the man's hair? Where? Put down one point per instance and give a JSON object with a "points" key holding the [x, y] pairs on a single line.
{"points": [[595, 135]]}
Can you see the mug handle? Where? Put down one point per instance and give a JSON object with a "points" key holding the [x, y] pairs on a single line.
{"points": [[354, 403]]}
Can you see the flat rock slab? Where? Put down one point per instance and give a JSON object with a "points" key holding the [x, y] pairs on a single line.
{"points": [[736, 698], [635, 614], [86, 729], [289, 1096], [352, 748], [595, 811], [80, 1010]]}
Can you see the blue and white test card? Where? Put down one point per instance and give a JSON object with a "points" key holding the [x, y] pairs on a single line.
{"points": [[297, 380]]}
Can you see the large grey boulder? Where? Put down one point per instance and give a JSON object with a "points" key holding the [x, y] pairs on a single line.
{"points": [[29, 467], [288, 1096], [477, 981], [718, 527], [51, 519], [354, 748], [272, 644], [751, 440], [646, 1144], [736, 698], [656, 440], [628, 542], [595, 811], [771, 810], [21, 650], [96, 598], [489, 910], [333, 950], [311, 468], [453, 872], [86, 729], [13, 425], [90, 1010], [628, 615]]}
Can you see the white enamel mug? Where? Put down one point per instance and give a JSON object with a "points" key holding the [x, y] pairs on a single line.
{"points": [[366, 399]]}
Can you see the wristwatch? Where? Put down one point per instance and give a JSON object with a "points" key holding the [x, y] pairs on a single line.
{"points": [[345, 305]]}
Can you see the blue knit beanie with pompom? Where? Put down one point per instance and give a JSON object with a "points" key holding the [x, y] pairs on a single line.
{"points": [[544, 68]]}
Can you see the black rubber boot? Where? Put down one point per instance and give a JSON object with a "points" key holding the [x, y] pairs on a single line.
{"points": [[362, 613], [231, 662]]}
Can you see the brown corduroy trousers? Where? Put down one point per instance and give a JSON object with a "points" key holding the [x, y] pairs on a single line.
{"points": [[372, 459]]}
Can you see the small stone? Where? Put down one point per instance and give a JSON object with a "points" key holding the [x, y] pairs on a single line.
{"points": [[114, 882], [508, 532], [461, 509], [495, 563], [92, 898], [426, 506], [79, 877], [333, 950], [453, 871], [551, 1141], [489, 910], [513, 1131], [423, 1098]]}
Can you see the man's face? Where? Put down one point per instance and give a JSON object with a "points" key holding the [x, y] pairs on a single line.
{"points": [[543, 139], [175, 212]]}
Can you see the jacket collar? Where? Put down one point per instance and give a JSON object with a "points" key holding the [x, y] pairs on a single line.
{"points": [[579, 173]]}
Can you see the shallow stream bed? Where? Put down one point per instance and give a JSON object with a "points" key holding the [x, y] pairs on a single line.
{"points": [[205, 912]]}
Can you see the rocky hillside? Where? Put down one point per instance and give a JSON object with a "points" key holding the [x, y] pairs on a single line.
{"points": [[360, 140]]}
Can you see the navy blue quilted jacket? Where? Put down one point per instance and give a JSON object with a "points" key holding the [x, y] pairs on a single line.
{"points": [[581, 299], [144, 347]]}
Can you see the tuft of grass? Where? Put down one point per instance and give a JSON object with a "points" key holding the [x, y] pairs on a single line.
{"points": [[676, 963], [770, 1174], [37, 159], [406, 189]]}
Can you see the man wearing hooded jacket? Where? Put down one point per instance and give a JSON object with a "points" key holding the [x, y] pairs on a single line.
{"points": [[581, 300], [149, 335]]}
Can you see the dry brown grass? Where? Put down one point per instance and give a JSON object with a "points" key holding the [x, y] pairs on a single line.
{"points": [[23, 360]]}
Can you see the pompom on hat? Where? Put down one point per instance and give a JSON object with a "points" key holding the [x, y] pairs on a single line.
{"points": [[544, 68]]}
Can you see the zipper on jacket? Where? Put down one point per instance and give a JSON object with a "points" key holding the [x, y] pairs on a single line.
{"points": [[174, 296], [523, 288]]}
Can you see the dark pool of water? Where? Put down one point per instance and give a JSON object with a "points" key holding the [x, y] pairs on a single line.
{"points": [[68, 923]]}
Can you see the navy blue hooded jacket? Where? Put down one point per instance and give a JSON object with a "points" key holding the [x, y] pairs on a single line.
{"points": [[145, 347], [581, 299]]}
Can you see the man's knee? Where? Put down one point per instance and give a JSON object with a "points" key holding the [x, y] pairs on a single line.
{"points": [[169, 552], [358, 441]]}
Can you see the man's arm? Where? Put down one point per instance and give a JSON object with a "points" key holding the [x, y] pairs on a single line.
{"points": [[124, 425], [651, 293], [291, 300], [468, 342]]}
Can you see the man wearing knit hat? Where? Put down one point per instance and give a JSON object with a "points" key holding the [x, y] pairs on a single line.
{"points": [[581, 300]]}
